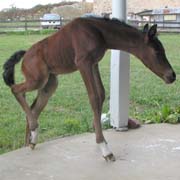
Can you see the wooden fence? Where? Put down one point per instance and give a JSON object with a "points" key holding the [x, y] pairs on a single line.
{"points": [[162, 26], [25, 25]]}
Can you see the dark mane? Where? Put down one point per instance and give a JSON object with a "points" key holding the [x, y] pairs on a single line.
{"points": [[117, 21], [111, 20]]}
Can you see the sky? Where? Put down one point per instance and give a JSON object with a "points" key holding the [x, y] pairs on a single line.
{"points": [[27, 3]]}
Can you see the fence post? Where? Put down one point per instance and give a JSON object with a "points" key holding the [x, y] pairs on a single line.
{"points": [[26, 27]]}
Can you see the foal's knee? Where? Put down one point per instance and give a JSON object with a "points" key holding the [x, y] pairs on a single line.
{"points": [[102, 96], [18, 88]]}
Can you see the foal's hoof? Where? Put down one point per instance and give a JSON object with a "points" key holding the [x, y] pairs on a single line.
{"points": [[109, 157], [32, 146]]}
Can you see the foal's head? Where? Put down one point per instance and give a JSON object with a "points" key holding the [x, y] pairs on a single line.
{"points": [[154, 57]]}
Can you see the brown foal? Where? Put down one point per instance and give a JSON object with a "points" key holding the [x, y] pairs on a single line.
{"points": [[80, 45]]}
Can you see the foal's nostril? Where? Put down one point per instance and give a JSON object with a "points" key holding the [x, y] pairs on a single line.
{"points": [[170, 77]]}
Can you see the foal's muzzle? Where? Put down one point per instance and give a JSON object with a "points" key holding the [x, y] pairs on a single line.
{"points": [[169, 77]]}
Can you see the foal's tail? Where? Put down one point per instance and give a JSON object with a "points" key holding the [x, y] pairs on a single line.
{"points": [[8, 74]]}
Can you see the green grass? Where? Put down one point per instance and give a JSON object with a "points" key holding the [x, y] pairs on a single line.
{"points": [[68, 111]]}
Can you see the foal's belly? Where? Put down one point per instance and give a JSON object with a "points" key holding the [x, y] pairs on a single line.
{"points": [[62, 70], [62, 66]]}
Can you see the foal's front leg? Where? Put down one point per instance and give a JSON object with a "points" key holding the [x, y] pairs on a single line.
{"points": [[96, 99]]}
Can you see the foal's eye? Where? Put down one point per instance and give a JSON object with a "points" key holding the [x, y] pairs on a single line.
{"points": [[158, 53]]}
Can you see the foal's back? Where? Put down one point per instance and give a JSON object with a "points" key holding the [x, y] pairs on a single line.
{"points": [[62, 51]]}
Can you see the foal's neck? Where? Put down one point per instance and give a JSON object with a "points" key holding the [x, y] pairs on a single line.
{"points": [[121, 36]]}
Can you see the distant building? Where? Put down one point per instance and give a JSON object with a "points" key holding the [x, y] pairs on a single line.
{"points": [[134, 6], [164, 17]]}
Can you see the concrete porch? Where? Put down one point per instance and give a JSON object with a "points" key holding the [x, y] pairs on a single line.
{"points": [[151, 152]]}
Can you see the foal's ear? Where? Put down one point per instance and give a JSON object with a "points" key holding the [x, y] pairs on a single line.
{"points": [[153, 31], [146, 28]]}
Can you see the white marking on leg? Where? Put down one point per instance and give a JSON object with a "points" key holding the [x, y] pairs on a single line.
{"points": [[104, 149], [34, 136]]}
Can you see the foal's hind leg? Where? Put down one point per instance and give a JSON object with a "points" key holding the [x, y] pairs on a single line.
{"points": [[19, 91], [38, 105]]}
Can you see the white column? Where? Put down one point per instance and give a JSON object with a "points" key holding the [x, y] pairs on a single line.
{"points": [[119, 81]]}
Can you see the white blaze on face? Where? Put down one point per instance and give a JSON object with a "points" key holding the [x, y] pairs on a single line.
{"points": [[104, 149], [34, 136]]}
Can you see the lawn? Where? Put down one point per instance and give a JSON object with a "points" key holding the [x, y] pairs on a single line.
{"points": [[68, 111]]}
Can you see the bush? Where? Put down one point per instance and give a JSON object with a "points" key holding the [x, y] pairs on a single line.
{"points": [[72, 126]]}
